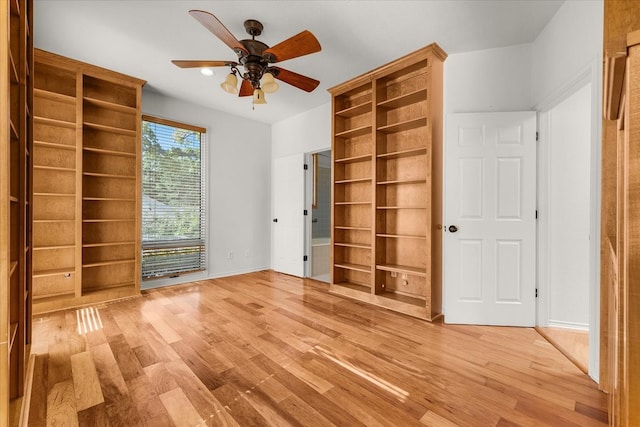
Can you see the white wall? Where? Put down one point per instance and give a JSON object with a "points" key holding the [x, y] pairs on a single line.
{"points": [[305, 133], [239, 192], [488, 80], [570, 43]]}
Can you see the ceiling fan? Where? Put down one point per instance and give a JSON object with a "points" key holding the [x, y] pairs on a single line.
{"points": [[256, 59]]}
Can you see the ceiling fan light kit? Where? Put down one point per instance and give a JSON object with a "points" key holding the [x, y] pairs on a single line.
{"points": [[256, 58]]}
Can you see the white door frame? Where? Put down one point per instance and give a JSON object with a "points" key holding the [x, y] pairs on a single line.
{"points": [[590, 74]]}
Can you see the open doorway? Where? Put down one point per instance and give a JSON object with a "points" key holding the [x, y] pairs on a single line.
{"points": [[320, 222], [566, 222]]}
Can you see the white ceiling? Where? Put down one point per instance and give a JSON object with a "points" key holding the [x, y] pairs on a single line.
{"points": [[140, 38]]}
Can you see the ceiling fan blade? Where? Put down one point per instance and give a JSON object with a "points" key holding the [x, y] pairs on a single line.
{"points": [[301, 44], [212, 24], [246, 89], [198, 64], [294, 79]]}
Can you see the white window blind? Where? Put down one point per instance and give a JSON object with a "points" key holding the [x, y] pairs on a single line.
{"points": [[173, 221]]}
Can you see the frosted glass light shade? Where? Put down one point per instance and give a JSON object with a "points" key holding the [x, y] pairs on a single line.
{"points": [[258, 97], [230, 84], [268, 83]]}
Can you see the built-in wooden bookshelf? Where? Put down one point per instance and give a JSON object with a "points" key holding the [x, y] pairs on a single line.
{"points": [[86, 183], [387, 185], [16, 153]]}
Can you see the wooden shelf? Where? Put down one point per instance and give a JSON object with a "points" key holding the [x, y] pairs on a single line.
{"points": [[14, 70], [108, 220], [13, 332], [403, 181], [53, 296], [48, 221], [53, 122], [108, 199], [54, 194], [403, 269], [53, 272], [407, 100], [105, 263], [403, 126], [53, 168], [352, 181], [12, 267], [15, 137], [355, 286], [109, 152], [108, 288], [16, 146], [403, 153], [354, 267], [54, 96], [354, 159], [352, 133], [51, 247], [15, 7], [356, 110], [402, 236], [351, 203], [111, 129], [108, 175], [110, 105], [346, 227], [404, 100], [352, 245], [104, 244], [403, 298], [54, 145], [401, 207]]}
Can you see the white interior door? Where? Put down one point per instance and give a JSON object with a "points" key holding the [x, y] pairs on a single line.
{"points": [[490, 197], [288, 215]]}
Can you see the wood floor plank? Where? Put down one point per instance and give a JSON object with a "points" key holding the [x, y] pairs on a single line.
{"points": [[181, 411], [270, 349], [61, 405], [146, 400], [85, 381], [94, 416]]}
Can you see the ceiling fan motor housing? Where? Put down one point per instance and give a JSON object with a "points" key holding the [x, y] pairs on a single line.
{"points": [[254, 64]]}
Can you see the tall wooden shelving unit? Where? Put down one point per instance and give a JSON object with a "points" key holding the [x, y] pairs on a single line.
{"points": [[87, 176], [387, 185], [15, 203]]}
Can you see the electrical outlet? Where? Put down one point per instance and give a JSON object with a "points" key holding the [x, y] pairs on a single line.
{"points": [[230, 255], [394, 274]]}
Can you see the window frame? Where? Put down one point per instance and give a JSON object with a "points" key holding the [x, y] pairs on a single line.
{"points": [[164, 244]]}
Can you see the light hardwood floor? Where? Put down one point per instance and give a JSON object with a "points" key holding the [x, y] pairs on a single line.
{"points": [[572, 343], [269, 349]]}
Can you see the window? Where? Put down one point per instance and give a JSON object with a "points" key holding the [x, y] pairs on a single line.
{"points": [[173, 226]]}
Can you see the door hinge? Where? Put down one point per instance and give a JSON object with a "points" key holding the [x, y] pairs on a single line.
{"points": [[537, 136], [305, 258], [306, 212], [536, 292], [306, 166]]}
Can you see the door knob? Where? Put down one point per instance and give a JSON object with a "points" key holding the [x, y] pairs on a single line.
{"points": [[275, 219], [453, 228]]}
